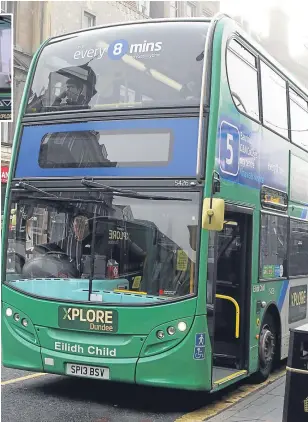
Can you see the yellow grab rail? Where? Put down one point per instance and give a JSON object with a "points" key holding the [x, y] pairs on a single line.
{"points": [[237, 313]]}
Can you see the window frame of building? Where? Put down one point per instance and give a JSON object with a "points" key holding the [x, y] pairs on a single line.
{"points": [[5, 133], [193, 7], [3, 5], [207, 13], [144, 7], [174, 5], [88, 17]]}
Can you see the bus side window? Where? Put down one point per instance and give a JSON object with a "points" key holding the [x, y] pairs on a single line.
{"points": [[275, 113], [299, 248], [229, 254], [273, 246], [242, 74]]}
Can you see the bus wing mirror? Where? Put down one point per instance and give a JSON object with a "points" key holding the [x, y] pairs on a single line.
{"points": [[213, 215]]}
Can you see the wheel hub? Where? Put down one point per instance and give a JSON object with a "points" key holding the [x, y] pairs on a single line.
{"points": [[267, 346]]}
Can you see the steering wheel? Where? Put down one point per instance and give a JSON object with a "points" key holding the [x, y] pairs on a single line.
{"points": [[239, 103], [63, 254], [50, 264]]}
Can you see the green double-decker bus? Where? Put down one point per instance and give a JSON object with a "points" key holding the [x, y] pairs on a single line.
{"points": [[156, 225]]}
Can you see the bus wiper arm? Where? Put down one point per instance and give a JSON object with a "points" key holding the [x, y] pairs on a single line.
{"points": [[65, 199], [32, 188], [126, 192], [92, 184]]}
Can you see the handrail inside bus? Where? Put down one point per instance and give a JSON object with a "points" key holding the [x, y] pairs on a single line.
{"points": [[237, 313]]}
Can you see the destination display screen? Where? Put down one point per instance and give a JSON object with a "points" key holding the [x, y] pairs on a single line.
{"points": [[105, 148], [274, 199]]}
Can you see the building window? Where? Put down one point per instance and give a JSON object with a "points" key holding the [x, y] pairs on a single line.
{"points": [[207, 13], [242, 74], [275, 114], [144, 7], [191, 10], [4, 133], [5, 5], [88, 20], [273, 246], [174, 9]]}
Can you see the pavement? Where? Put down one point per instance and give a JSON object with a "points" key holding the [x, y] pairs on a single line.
{"points": [[264, 405]]}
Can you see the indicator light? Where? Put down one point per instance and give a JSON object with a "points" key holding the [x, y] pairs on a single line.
{"points": [[24, 322], [16, 317], [171, 331], [160, 334]]}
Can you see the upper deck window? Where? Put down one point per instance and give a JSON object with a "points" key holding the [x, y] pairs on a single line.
{"points": [[243, 79], [274, 112], [299, 120], [138, 65]]}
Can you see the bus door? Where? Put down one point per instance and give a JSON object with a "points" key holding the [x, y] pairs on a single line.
{"points": [[228, 297]]}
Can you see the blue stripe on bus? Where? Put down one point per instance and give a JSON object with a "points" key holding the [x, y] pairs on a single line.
{"points": [[304, 213], [183, 158], [283, 293]]}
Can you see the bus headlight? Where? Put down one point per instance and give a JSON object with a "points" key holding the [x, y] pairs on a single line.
{"points": [[182, 326], [9, 312]]}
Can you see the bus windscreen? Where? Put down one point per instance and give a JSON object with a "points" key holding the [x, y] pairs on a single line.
{"points": [[131, 66]]}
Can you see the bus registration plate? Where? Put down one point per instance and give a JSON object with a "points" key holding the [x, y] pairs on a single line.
{"points": [[87, 371]]}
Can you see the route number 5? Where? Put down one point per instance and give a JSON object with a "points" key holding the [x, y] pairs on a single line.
{"points": [[230, 149]]}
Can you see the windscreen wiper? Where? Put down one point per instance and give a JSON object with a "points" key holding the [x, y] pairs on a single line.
{"points": [[32, 188], [65, 199], [126, 192]]}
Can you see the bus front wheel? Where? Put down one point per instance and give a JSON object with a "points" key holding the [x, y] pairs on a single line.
{"points": [[267, 349]]}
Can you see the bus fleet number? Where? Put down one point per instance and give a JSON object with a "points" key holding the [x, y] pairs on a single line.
{"points": [[181, 183]]}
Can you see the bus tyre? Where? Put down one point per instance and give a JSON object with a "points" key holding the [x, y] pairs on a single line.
{"points": [[267, 348]]}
